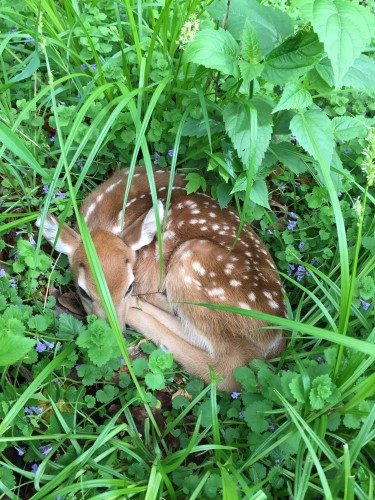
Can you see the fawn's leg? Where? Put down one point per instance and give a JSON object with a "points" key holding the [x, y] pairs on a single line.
{"points": [[158, 326]]}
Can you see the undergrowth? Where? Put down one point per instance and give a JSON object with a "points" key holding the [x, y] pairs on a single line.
{"points": [[268, 106]]}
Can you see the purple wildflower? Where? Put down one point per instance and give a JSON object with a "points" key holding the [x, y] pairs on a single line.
{"points": [[156, 156], [281, 88], [62, 103], [42, 345], [301, 245], [15, 255], [269, 231], [291, 224], [20, 451], [78, 96], [271, 428], [84, 67], [30, 410], [339, 194], [80, 164], [13, 30], [297, 184], [241, 415], [278, 461], [45, 189], [123, 16], [2, 273], [52, 139], [32, 241], [12, 282], [346, 151], [171, 152], [320, 360], [34, 468], [235, 395], [45, 450], [94, 67], [123, 361], [365, 304], [57, 381], [61, 195]]}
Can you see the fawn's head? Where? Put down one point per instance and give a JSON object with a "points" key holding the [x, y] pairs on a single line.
{"points": [[116, 253]]}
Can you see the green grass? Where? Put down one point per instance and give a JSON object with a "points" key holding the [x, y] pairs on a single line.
{"points": [[106, 85]]}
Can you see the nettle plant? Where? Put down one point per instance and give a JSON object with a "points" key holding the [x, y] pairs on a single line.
{"points": [[270, 110]]}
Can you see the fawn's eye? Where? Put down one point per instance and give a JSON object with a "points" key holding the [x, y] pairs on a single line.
{"points": [[129, 289], [84, 294]]}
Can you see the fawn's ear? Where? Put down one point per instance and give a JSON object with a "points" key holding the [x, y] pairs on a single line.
{"points": [[143, 230], [67, 241]]}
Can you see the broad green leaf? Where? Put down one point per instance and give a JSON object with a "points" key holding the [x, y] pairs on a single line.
{"points": [[361, 75], [345, 29], [290, 157], [12, 142], [249, 71], [214, 49], [272, 25], [155, 381], [195, 182], [32, 65], [197, 128], [250, 50], [347, 128], [255, 415], [107, 394], [311, 127], [237, 124], [259, 193], [293, 58], [294, 96], [13, 348]]}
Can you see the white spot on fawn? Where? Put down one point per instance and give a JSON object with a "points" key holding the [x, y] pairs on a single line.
{"points": [[214, 292], [199, 268], [235, 283]]}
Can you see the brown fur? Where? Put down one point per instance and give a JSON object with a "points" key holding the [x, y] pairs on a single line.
{"points": [[198, 266]]}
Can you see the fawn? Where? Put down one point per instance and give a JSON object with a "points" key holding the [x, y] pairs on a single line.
{"points": [[198, 266]]}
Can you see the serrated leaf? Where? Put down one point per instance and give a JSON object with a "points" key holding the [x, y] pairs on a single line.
{"points": [[250, 49], [246, 377], [214, 49], [272, 25], [107, 394], [296, 388], [99, 341], [290, 157], [361, 75], [140, 366], [237, 124], [314, 133], [293, 58], [13, 348], [249, 71], [294, 96], [89, 374], [259, 193], [155, 381], [255, 416], [69, 326], [195, 182], [347, 128], [345, 29]]}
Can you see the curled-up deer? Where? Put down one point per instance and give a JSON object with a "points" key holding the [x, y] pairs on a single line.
{"points": [[198, 266]]}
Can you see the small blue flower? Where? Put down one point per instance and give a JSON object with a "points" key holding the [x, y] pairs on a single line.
{"points": [[45, 450], [156, 156], [291, 224], [281, 88], [61, 195], [241, 415], [45, 189], [320, 360], [365, 304], [31, 410], [84, 67], [339, 194], [32, 242], [78, 96], [62, 103], [346, 151], [15, 255], [52, 139], [42, 345], [34, 468], [94, 67], [269, 231], [2, 273], [297, 184], [20, 451], [171, 152], [271, 428], [235, 395], [12, 282], [301, 245], [80, 164]]}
